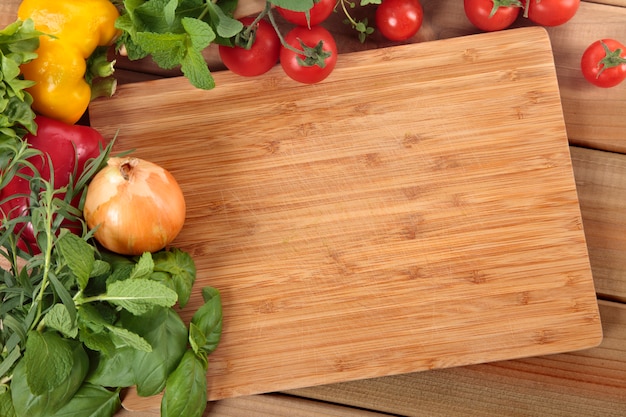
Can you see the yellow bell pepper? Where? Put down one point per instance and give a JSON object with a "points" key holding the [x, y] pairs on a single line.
{"points": [[77, 29]]}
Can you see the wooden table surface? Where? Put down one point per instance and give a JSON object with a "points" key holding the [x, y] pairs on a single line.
{"points": [[585, 383]]}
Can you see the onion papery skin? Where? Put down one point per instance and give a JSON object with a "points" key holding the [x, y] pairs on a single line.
{"points": [[136, 205]]}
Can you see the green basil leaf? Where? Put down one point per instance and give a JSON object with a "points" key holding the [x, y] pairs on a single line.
{"points": [[28, 404], [113, 370], [295, 5], [91, 401], [186, 388], [139, 296], [208, 319], [49, 359], [166, 332], [197, 339]]}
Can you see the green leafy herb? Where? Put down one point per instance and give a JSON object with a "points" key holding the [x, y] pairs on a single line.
{"points": [[185, 390], [174, 33], [18, 43], [177, 270], [91, 400], [295, 5], [78, 323]]}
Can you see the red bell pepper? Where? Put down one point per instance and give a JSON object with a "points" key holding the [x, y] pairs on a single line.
{"points": [[68, 148]]}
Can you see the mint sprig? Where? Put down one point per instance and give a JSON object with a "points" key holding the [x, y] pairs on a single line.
{"points": [[175, 32]]}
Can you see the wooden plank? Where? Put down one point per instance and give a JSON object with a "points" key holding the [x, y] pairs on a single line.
{"points": [[276, 405], [586, 383], [620, 3], [351, 197], [282, 405], [601, 184], [594, 116]]}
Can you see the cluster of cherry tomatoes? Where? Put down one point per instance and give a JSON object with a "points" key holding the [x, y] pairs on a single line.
{"points": [[308, 52], [603, 63], [491, 15]]}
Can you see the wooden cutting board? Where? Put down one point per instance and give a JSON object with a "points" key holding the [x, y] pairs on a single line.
{"points": [[416, 210]]}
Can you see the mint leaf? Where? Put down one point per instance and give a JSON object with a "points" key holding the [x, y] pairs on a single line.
{"points": [[167, 49], [48, 359], [200, 33], [29, 404], [59, 319], [100, 268], [143, 268], [138, 296], [225, 25], [195, 69], [169, 12], [97, 341], [177, 270], [130, 339], [78, 255]]}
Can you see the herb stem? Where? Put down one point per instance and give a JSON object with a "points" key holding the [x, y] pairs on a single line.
{"points": [[348, 15], [282, 39], [258, 18], [206, 9], [46, 196]]}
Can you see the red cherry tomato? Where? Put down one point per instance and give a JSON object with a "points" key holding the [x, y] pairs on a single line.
{"points": [[491, 15], [318, 13], [604, 63], [398, 20], [260, 57], [551, 12], [326, 54]]}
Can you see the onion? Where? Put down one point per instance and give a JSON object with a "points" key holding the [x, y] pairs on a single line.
{"points": [[136, 205]]}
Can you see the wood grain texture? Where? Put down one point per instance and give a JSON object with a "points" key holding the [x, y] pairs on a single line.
{"points": [[380, 208], [267, 405], [601, 184], [587, 383]]}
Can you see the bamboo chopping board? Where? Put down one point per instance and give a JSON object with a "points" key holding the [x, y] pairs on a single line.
{"points": [[416, 210]]}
